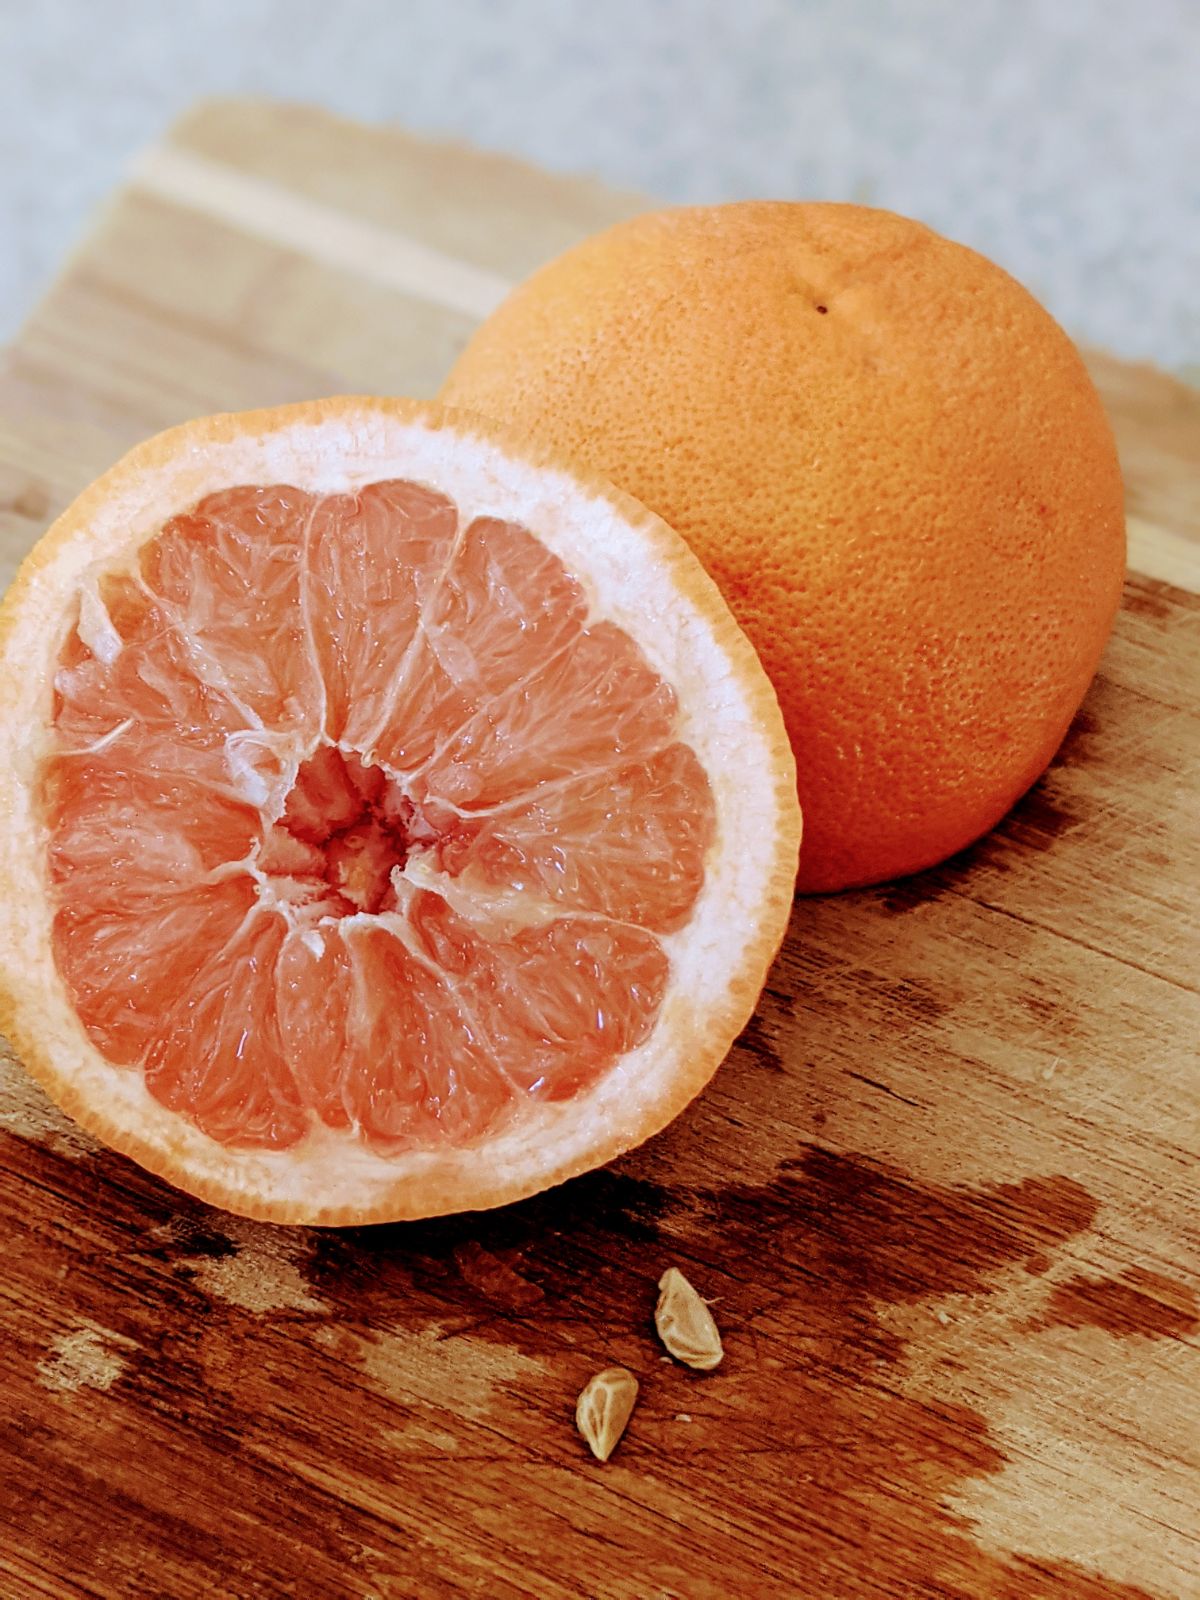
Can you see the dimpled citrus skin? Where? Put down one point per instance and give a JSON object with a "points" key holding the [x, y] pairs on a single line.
{"points": [[891, 459]]}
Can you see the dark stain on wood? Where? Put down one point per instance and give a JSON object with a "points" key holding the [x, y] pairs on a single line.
{"points": [[1083, 739], [756, 1041], [1142, 597], [186, 1236], [1136, 1302], [908, 895], [209, 1462], [1043, 1008], [1041, 818], [908, 1001], [496, 1277]]}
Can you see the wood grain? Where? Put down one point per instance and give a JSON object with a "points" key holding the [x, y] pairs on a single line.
{"points": [[942, 1194]]}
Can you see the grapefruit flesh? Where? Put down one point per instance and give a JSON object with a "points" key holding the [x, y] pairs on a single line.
{"points": [[469, 726]]}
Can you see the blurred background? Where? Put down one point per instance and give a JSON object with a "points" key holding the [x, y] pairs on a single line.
{"points": [[1060, 137]]}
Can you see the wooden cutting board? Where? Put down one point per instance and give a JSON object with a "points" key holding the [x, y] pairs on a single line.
{"points": [[943, 1193]]}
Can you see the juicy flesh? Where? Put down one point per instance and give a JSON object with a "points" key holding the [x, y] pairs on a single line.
{"points": [[356, 818]]}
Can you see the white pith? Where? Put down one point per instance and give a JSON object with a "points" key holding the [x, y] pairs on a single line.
{"points": [[626, 583]]}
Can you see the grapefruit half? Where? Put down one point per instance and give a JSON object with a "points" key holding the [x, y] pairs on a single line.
{"points": [[393, 820]]}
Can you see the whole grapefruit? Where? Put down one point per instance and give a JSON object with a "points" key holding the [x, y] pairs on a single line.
{"points": [[891, 459]]}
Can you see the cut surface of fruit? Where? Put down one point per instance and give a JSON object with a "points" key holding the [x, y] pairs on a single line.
{"points": [[394, 821]]}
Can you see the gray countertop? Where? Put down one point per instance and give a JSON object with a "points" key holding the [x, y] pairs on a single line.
{"points": [[1063, 139]]}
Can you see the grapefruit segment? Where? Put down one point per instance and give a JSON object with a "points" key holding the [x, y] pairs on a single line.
{"points": [[391, 852], [132, 833], [127, 676], [628, 842], [503, 608], [557, 1000], [595, 705], [218, 1058], [373, 560], [229, 576], [127, 967]]}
